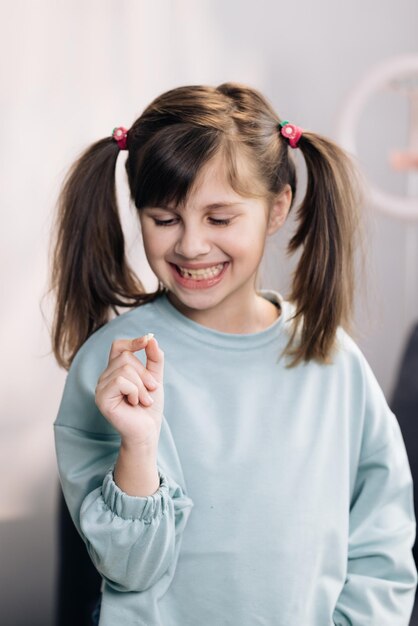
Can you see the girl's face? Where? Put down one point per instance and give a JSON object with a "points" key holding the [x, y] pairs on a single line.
{"points": [[207, 253]]}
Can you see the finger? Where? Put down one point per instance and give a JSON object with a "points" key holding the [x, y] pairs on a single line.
{"points": [[130, 373], [132, 345], [155, 359], [123, 386], [127, 361]]}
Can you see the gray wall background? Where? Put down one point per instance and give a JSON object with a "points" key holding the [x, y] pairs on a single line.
{"points": [[71, 71]]}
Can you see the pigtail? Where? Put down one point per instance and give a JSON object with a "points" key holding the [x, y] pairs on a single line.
{"points": [[89, 272], [328, 221]]}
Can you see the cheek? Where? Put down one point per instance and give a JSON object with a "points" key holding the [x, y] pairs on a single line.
{"points": [[251, 240], [155, 243]]}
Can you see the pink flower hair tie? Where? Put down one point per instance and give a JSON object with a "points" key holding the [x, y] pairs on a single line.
{"points": [[291, 132], [120, 135]]}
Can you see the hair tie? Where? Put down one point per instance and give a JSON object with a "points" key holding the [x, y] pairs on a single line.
{"points": [[120, 135], [291, 132]]}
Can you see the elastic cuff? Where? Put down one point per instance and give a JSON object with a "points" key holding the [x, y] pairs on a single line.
{"points": [[145, 508]]}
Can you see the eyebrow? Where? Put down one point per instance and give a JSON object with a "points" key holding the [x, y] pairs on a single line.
{"points": [[213, 205]]}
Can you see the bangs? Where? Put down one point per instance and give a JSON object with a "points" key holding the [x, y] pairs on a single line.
{"points": [[174, 157], [171, 162]]}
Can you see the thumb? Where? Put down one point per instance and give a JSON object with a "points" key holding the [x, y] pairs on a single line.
{"points": [[155, 359]]}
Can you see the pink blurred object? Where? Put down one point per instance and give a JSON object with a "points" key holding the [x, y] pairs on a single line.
{"points": [[401, 160]]}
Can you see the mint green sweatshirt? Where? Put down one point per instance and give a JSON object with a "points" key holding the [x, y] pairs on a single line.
{"points": [[285, 495]]}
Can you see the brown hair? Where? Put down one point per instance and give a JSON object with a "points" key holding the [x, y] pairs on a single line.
{"points": [[178, 133]]}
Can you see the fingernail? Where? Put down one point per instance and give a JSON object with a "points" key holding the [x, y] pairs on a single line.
{"points": [[148, 336]]}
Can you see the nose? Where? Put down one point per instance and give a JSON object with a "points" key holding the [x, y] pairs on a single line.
{"points": [[192, 241]]}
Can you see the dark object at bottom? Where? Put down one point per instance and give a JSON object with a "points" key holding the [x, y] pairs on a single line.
{"points": [[405, 406], [95, 616], [78, 588]]}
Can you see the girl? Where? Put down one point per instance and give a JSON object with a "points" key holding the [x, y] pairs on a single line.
{"points": [[226, 454]]}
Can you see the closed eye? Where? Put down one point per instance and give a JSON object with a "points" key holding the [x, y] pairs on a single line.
{"points": [[163, 222], [220, 221], [215, 221]]}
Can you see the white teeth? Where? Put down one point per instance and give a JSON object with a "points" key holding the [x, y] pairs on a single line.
{"points": [[207, 272]]}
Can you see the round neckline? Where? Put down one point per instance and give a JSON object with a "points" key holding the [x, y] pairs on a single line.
{"points": [[222, 339]]}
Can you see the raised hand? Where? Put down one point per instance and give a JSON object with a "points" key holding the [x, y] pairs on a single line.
{"points": [[131, 395]]}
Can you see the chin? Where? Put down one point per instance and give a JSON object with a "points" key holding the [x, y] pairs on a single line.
{"points": [[197, 300]]}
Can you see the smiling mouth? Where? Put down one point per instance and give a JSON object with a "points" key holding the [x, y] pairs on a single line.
{"points": [[201, 274]]}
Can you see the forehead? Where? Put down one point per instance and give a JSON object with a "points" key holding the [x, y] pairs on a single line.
{"points": [[212, 183]]}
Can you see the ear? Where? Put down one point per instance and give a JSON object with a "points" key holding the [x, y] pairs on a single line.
{"points": [[279, 210]]}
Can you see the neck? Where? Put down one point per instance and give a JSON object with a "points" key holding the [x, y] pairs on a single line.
{"points": [[233, 317]]}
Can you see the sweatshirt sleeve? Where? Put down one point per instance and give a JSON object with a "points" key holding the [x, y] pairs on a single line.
{"points": [[381, 574], [132, 541]]}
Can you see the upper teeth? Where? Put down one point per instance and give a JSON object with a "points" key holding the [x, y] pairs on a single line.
{"points": [[207, 272]]}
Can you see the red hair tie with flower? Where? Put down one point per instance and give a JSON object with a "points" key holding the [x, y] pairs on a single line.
{"points": [[291, 132], [120, 135]]}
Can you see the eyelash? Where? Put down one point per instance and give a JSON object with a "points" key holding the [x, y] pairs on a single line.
{"points": [[217, 222]]}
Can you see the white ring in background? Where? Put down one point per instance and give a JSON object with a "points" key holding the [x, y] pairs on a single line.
{"points": [[397, 206]]}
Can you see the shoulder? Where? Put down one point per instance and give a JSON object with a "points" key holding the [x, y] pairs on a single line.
{"points": [[354, 388], [349, 355], [346, 355], [379, 424]]}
